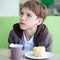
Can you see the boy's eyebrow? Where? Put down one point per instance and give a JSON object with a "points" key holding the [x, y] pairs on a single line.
{"points": [[26, 12]]}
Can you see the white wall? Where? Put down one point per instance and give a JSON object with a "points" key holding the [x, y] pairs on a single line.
{"points": [[9, 7]]}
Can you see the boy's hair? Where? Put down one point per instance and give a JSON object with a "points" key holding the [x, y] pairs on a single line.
{"points": [[37, 8]]}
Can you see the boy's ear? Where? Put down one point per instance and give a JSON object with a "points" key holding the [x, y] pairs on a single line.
{"points": [[40, 20]]}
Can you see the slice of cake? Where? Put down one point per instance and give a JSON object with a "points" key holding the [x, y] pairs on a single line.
{"points": [[39, 51]]}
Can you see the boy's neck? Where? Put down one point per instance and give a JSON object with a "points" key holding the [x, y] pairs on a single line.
{"points": [[30, 32]]}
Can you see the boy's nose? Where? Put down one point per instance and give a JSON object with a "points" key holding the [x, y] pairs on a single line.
{"points": [[23, 17]]}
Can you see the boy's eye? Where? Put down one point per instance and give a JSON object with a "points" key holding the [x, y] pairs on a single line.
{"points": [[21, 13], [29, 15]]}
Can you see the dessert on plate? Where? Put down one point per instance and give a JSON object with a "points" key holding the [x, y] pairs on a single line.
{"points": [[39, 51]]}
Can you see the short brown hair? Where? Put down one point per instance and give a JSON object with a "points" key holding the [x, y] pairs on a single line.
{"points": [[37, 8]]}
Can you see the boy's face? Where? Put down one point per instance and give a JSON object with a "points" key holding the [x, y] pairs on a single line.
{"points": [[28, 19]]}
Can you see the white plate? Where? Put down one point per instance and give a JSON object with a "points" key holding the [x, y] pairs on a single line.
{"points": [[29, 54]]}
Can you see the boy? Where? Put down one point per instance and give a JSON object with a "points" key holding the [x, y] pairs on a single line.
{"points": [[31, 31]]}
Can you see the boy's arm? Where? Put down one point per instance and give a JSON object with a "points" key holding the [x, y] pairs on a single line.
{"points": [[11, 38], [48, 42]]}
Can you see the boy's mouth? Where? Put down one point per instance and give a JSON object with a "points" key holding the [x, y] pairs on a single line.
{"points": [[22, 23]]}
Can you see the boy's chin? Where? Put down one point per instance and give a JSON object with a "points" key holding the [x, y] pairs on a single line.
{"points": [[23, 28]]}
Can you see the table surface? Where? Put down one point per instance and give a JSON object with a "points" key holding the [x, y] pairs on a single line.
{"points": [[5, 55]]}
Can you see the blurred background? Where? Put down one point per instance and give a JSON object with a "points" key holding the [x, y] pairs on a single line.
{"points": [[9, 15], [52, 5]]}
